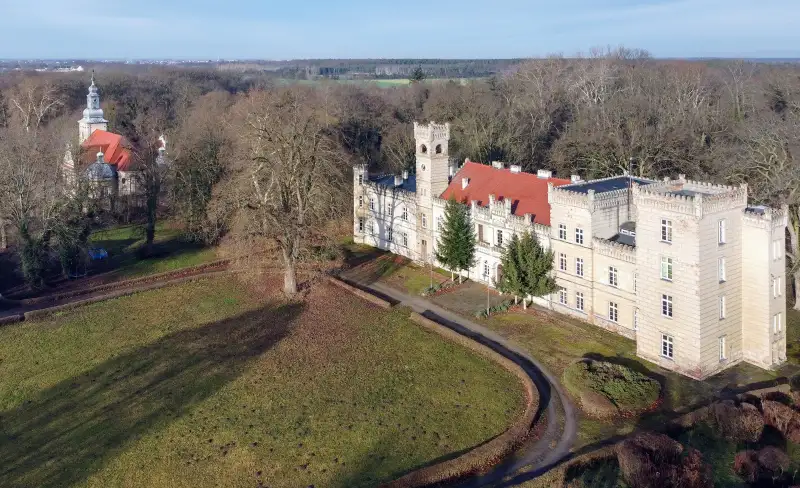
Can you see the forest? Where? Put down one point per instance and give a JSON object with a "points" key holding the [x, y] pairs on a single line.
{"points": [[260, 159]]}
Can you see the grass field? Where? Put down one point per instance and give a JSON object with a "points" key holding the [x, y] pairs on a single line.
{"points": [[210, 384], [171, 251]]}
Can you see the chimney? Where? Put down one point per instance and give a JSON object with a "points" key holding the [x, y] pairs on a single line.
{"points": [[464, 182], [398, 180], [405, 174], [100, 158], [498, 165], [515, 168], [544, 174], [575, 178]]}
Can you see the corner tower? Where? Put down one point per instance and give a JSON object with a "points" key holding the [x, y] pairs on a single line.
{"points": [[92, 114], [432, 179]]}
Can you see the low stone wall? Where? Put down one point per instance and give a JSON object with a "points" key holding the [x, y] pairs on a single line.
{"points": [[11, 319], [489, 453], [360, 293], [45, 312], [168, 275]]}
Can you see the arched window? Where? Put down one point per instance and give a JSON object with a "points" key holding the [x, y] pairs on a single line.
{"points": [[438, 149], [423, 149]]}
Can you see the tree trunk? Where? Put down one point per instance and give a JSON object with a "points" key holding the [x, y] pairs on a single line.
{"points": [[289, 274], [524, 303], [3, 236], [516, 299]]}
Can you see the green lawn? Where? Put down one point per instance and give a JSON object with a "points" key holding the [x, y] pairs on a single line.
{"points": [[211, 384], [171, 251]]}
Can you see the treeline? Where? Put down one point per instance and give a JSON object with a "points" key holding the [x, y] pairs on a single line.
{"points": [[596, 115]]}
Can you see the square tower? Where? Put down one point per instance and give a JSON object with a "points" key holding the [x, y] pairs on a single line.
{"points": [[688, 254], [433, 176]]}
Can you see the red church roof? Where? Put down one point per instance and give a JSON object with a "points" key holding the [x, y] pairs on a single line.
{"points": [[527, 192], [115, 148]]}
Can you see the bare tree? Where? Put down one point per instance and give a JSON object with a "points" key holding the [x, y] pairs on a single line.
{"points": [[293, 173], [34, 101]]}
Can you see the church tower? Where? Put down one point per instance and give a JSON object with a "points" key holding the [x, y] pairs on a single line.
{"points": [[92, 114], [433, 167]]}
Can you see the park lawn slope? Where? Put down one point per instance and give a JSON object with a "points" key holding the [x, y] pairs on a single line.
{"points": [[210, 384]]}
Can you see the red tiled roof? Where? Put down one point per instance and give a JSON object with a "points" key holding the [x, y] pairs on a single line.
{"points": [[115, 148], [527, 192]]}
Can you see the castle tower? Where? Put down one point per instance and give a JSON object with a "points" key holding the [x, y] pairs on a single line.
{"points": [[432, 179], [92, 114]]}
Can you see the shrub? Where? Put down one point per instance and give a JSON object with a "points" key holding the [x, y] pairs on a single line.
{"points": [[737, 423], [597, 473], [651, 460], [745, 464], [500, 307], [783, 418], [773, 460], [625, 388], [768, 464]]}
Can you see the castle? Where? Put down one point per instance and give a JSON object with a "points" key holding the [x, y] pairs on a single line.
{"points": [[687, 269]]}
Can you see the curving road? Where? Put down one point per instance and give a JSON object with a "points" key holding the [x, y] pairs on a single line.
{"points": [[535, 456]]}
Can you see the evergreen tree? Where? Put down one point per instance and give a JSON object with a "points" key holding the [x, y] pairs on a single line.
{"points": [[456, 249], [527, 268], [417, 75]]}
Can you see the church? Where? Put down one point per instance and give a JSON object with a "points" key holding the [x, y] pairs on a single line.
{"points": [[105, 158]]}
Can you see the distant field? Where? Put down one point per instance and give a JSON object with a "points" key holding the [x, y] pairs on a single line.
{"points": [[214, 383], [379, 83]]}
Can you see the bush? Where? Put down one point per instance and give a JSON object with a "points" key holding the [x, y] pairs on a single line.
{"points": [[651, 460], [767, 464], [625, 388], [742, 423], [500, 307], [783, 418]]}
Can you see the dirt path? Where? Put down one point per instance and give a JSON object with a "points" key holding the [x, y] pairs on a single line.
{"points": [[558, 436]]}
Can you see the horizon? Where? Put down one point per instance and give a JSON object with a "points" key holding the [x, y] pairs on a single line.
{"points": [[246, 30]]}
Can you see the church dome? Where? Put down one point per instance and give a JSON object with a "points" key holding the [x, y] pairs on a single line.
{"points": [[100, 170]]}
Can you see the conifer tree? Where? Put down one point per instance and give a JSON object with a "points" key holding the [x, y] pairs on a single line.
{"points": [[456, 249], [527, 268]]}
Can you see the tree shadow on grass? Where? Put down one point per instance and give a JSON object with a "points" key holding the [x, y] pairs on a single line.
{"points": [[72, 429]]}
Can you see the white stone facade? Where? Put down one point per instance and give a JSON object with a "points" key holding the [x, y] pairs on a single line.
{"points": [[685, 268]]}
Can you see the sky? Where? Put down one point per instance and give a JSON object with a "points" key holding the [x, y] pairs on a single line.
{"points": [[268, 29]]}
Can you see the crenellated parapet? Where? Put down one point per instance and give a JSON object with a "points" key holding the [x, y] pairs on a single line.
{"points": [[557, 195], [614, 250], [766, 217], [732, 198], [431, 132]]}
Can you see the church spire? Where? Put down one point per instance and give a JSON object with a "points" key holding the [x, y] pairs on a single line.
{"points": [[92, 114]]}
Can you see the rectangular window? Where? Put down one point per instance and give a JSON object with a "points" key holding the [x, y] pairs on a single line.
{"points": [[360, 201], [562, 232], [499, 238], [562, 296], [777, 326], [480, 233], [723, 350], [424, 221], [666, 230], [722, 308], [666, 268], [562, 262], [404, 216], [360, 179], [613, 312], [579, 301], [372, 227], [578, 235], [780, 286], [635, 318], [635, 282], [721, 270], [405, 239], [361, 224], [666, 306], [667, 344], [579, 266], [439, 223], [389, 235], [722, 231], [777, 249], [486, 269], [371, 203], [613, 278], [774, 287]]}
